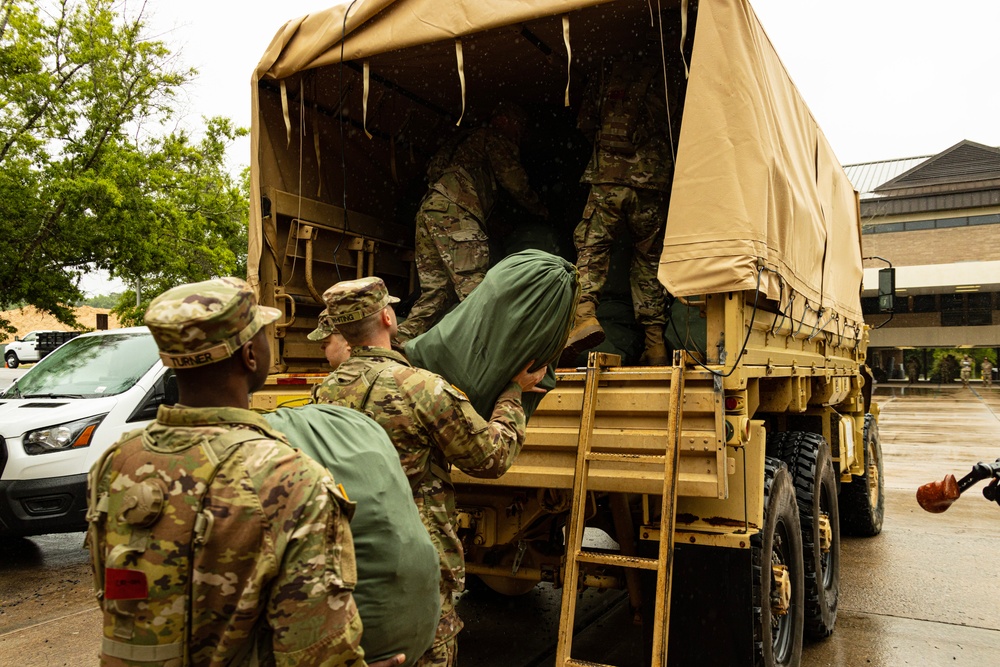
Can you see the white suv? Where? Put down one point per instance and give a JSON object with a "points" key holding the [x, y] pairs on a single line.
{"points": [[22, 350]]}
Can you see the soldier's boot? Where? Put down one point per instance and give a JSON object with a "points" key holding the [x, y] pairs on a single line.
{"points": [[586, 333], [656, 351]]}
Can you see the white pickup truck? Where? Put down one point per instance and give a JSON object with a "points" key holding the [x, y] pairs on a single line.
{"points": [[22, 350]]}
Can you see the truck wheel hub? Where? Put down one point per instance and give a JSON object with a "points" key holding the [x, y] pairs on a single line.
{"points": [[781, 590]]}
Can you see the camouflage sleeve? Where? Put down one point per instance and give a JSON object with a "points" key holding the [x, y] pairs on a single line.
{"points": [[510, 174], [311, 608], [475, 446]]}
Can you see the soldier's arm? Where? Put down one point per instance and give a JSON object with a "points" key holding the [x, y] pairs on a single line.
{"points": [[511, 175], [477, 447], [311, 607]]}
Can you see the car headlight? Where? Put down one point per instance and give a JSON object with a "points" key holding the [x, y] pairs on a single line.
{"points": [[71, 435]]}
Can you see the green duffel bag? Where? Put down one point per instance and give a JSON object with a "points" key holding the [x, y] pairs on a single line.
{"points": [[399, 572], [522, 311]]}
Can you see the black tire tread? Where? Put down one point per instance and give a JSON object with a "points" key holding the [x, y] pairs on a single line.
{"points": [[801, 451], [857, 516], [773, 467]]}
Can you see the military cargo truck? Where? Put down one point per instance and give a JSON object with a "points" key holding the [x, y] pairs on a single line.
{"points": [[736, 469]]}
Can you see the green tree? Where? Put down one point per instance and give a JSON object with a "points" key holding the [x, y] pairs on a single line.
{"points": [[102, 301], [188, 220], [88, 176]]}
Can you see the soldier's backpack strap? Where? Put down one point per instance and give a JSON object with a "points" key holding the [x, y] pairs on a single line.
{"points": [[370, 377]]}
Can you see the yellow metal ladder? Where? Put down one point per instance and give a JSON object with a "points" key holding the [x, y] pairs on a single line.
{"points": [[575, 554]]}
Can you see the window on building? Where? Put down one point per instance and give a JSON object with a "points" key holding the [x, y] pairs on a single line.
{"points": [[967, 310], [923, 303], [980, 309], [952, 222]]}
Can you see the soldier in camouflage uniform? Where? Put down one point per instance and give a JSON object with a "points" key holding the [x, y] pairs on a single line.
{"points": [[430, 422], [334, 345], [629, 173], [213, 542], [452, 248]]}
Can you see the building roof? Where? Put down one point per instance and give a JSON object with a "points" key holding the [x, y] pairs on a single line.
{"points": [[866, 176], [965, 164]]}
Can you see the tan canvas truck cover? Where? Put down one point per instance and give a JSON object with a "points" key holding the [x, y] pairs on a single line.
{"points": [[758, 195]]}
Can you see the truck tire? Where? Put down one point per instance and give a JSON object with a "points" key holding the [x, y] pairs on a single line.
{"points": [[778, 628], [862, 502], [12, 360], [808, 458]]}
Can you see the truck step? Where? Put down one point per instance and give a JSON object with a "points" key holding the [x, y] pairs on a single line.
{"points": [[626, 458], [617, 560]]}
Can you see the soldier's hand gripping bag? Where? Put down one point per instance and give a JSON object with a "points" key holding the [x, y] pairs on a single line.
{"points": [[399, 574], [522, 311]]}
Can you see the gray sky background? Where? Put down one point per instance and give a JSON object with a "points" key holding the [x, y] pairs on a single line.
{"points": [[884, 78]]}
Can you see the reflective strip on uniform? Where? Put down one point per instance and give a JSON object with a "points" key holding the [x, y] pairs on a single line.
{"points": [[141, 653]]}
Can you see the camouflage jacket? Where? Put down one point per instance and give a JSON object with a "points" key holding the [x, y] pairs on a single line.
{"points": [[276, 567], [650, 167], [432, 424], [481, 162]]}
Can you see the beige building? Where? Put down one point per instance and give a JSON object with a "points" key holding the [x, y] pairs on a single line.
{"points": [[936, 218]]}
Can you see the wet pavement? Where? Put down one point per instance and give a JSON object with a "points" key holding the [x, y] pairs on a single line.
{"points": [[922, 593]]}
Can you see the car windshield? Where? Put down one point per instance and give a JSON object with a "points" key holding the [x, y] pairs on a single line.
{"points": [[89, 367]]}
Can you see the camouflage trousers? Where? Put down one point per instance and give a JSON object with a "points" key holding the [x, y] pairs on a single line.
{"points": [[452, 255], [444, 651], [609, 208]]}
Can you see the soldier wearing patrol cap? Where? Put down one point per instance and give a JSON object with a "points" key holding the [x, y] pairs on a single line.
{"points": [[212, 540], [431, 423], [334, 345]]}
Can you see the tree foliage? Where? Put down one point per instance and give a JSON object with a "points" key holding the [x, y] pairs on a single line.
{"points": [[102, 301], [90, 176]]}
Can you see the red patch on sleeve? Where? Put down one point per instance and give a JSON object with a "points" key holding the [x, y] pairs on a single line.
{"points": [[121, 584]]}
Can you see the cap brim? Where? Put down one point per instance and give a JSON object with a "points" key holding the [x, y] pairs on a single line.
{"points": [[393, 299], [319, 334], [268, 314]]}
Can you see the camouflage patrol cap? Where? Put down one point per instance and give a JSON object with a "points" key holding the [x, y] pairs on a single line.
{"points": [[202, 323], [324, 327], [353, 300]]}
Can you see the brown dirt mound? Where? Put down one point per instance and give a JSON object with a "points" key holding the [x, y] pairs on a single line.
{"points": [[30, 319]]}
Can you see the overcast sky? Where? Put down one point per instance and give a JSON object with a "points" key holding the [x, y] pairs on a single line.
{"points": [[884, 78]]}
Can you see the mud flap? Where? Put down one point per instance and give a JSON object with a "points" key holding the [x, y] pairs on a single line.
{"points": [[711, 615]]}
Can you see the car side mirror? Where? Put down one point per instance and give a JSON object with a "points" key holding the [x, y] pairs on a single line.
{"points": [[887, 290]]}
